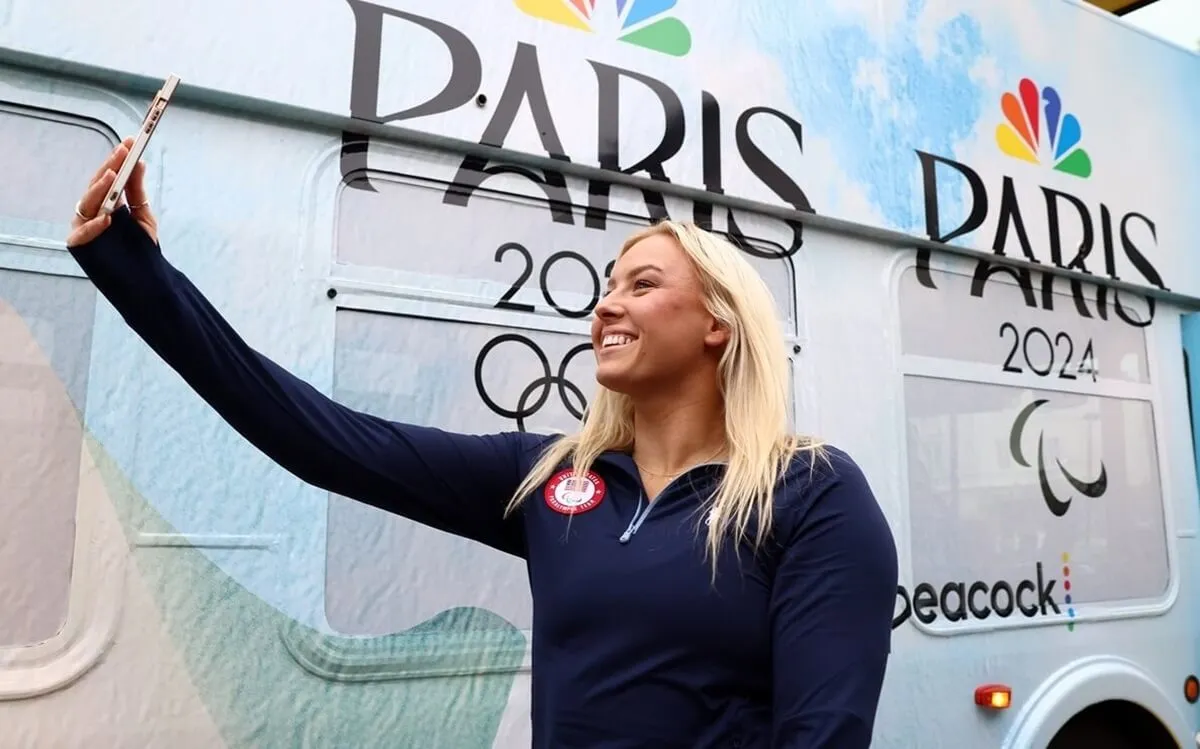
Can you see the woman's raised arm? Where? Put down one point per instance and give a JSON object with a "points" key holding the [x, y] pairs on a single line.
{"points": [[454, 482]]}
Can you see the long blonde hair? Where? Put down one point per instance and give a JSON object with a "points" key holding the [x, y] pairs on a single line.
{"points": [[754, 384]]}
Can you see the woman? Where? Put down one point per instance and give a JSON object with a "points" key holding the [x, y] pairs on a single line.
{"points": [[700, 577]]}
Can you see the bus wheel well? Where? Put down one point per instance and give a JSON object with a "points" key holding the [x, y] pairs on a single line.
{"points": [[1113, 724]]}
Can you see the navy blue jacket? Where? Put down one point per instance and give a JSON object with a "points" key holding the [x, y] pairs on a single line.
{"points": [[633, 646]]}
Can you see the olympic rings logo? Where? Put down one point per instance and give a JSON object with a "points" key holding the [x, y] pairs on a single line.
{"points": [[531, 400]]}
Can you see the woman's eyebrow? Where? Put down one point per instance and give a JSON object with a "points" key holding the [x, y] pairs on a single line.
{"points": [[636, 270]]}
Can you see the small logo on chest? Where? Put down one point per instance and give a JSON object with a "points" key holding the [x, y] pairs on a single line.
{"points": [[571, 495]]}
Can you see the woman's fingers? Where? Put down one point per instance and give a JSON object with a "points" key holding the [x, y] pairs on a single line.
{"points": [[135, 188], [93, 198], [139, 203], [86, 225], [89, 231], [113, 162]]}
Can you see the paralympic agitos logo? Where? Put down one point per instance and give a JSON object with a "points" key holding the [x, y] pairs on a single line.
{"points": [[1058, 507], [1032, 597]]}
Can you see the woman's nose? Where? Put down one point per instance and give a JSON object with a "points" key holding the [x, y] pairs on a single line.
{"points": [[608, 308]]}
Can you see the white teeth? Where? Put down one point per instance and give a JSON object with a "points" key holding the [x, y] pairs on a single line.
{"points": [[616, 340]]}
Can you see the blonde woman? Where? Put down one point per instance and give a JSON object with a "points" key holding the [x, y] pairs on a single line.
{"points": [[701, 577]]}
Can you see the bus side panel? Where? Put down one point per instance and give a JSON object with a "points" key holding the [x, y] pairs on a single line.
{"points": [[91, 685], [174, 593]]}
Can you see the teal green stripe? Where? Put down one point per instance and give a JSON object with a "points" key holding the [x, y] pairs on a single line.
{"points": [[269, 681]]}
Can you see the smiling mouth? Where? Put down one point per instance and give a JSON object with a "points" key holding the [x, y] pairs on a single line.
{"points": [[614, 341]]}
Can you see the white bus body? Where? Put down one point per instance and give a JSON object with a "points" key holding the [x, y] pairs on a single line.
{"points": [[979, 221]]}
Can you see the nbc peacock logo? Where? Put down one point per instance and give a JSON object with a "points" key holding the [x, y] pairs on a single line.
{"points": [[1034, 114], [644, 23]]}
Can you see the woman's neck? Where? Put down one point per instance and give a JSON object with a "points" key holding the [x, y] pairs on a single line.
{"points": [[675, 435]]}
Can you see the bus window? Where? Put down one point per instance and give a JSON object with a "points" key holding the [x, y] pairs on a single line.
{"points": [[384, 572], [502, 246], [45, 345], [45, 174], [1032, 455]]}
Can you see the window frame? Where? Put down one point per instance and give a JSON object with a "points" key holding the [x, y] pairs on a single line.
{"points": [[100, 552], [908, 365]]}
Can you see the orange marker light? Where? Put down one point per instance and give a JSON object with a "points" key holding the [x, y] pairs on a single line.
{"points": [[993, 696], [1191, 689]]}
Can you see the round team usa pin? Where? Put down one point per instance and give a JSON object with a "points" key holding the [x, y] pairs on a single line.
{"points": [[571, 495]]}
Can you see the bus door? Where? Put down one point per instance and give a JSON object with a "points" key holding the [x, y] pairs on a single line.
{"points": [[1191, 365]]}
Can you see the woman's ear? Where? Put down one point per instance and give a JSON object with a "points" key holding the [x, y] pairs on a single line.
{"points": [[718, 334]]}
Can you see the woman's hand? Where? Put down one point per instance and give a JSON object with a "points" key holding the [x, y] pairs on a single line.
{"points": [[88, 223]]}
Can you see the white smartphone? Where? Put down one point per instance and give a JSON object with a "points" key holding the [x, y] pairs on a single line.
{"points": [[149, 125]]}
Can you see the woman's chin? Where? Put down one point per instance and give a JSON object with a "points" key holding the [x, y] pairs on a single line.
{"points": [[614, 378]]}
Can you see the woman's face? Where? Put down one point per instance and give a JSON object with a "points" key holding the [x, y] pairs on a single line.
{"points": [[652, 329]]}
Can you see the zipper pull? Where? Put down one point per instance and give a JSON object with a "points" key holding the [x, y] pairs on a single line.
{"points": [[633, 524]]}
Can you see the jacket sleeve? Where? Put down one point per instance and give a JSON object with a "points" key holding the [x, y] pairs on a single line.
{"points": [[453, 482], [831, 612]]}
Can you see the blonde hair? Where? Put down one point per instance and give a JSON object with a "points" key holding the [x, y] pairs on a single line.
{"points": [[754, 384]]}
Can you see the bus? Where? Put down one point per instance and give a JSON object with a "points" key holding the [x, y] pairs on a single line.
{"points": [[978, 221]]}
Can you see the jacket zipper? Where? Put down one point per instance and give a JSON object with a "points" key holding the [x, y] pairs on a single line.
{"points": [[639, 516]]}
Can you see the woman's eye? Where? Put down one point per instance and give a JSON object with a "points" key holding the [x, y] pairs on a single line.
{"points": [[642, 284]]}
